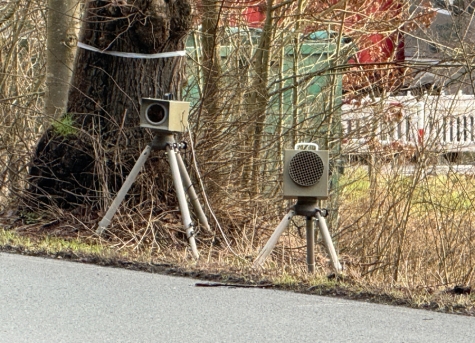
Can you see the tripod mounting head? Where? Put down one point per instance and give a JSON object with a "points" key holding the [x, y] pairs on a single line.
{"points": [[307, 207], [162, 141]]}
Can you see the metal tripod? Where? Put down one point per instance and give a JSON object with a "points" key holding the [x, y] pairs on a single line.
{"points": [[181, 181], [305, 207]]}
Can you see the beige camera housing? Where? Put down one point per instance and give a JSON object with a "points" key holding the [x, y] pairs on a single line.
{"points": [[164, 115], [306, 174]]}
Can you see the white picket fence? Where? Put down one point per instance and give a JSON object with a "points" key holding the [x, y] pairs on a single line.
{"points": [[443, 123]]}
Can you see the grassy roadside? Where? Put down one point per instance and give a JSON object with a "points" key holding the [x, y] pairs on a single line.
{"points": [[231, 273]]}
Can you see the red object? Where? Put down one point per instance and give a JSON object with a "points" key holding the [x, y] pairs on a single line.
{"points": [[377, 42], [420, 136], [255, 16], [376, 47]]}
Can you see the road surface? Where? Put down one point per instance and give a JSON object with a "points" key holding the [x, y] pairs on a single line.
{"points": [[44, 300]]}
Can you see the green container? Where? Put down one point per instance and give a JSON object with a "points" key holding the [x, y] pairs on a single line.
{"points": [[310, 94], [239, 43], [306, 91]]}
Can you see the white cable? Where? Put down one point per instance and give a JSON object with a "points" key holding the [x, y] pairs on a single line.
{"points": [[133, 54]]}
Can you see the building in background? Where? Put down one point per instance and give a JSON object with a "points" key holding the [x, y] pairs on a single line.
{"points": [[442, 53], [438, 45]]}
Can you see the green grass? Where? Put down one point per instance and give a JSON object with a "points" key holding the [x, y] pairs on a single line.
{"points": [[286, 280], [13, 239], [52, 245], [443, 192], [355, 184]]}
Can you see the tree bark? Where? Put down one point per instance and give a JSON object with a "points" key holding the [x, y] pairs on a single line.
{"points": [[87, 162], [61, 41], [209, 117], [259, 95]]}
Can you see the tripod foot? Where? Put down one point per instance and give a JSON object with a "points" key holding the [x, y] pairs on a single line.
{"points": [[273, 239], [100, 229], [180, 192], [104, 223], [188, 185], [328, 242]]}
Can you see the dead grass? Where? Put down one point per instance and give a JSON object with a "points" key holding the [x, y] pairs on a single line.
{"points": [[403, 239], [416, 231]]}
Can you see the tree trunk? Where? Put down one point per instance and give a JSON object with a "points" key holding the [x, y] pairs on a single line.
{"points": [[61, 41], [259, 95], [209, 118], [86, 157]]}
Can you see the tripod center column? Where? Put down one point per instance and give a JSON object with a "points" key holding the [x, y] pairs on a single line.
{"points": [[310, 245]]}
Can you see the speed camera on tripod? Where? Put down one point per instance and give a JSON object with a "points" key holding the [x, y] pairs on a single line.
{"points": [[306, 179], [306, 172], [164, 115]]}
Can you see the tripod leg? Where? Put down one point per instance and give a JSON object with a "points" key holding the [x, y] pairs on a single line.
{"points": [[180, 193], [273, 239], [310, 245], [104, 223], [328, 243], [191, 193]]}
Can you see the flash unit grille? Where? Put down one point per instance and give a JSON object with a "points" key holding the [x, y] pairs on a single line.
{"points": [[306, 168]]}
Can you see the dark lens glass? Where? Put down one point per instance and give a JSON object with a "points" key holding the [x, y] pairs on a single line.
{"points": [[156, 114]]}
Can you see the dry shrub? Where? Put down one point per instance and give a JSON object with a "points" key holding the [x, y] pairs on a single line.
{"points": [[414, 230], [409, 229], [21, 90]]}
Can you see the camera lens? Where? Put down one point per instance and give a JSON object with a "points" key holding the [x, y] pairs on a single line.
{"points": [[156, 114]]}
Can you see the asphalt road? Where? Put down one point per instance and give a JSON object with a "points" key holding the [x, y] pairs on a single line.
{"points": [[43, 300]]}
